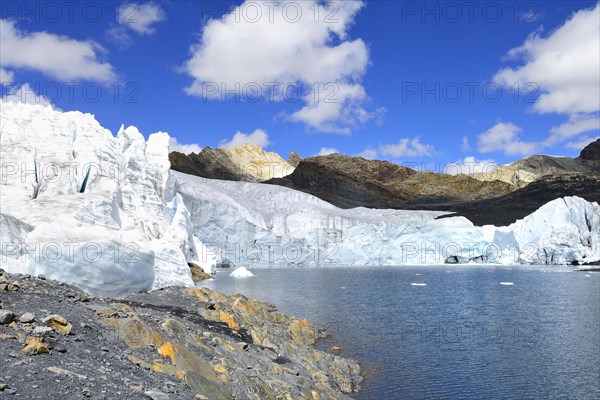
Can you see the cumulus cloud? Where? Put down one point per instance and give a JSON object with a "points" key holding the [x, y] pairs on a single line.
{"points": [[174, 145], [504, 137], [368, 153], [6, 77], [470, 165], [56, 56], [407, 148], [564, 65], [259, 137], [576, 125], [325, 151], [136, 17], [272, 45], [25, 94], [140, 18]]}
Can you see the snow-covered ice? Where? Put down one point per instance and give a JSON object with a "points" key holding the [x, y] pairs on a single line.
{"points": [[267, 225], [241, 272], [88, 208]]}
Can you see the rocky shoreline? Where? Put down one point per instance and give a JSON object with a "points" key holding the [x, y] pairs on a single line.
{"points": [[172, 343]]}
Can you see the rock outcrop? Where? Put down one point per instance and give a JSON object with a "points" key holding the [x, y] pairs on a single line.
{"points": [[248, 163], [591, 151], [171, 343], [523, 172], [354, 181], [294, 159]]}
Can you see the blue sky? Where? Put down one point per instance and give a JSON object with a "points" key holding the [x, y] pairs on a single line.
{"points": [[417, 83]]}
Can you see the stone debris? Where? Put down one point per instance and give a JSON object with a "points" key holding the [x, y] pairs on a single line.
{"points": [[172, 343], [58, 323]]}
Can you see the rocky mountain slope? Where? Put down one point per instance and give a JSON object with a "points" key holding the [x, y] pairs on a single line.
{"points": [[520, 188], [354, 181], [168, 344], [522, 172], [248, 163]]}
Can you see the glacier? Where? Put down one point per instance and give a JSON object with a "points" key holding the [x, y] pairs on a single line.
{"points": [[105, 213], [265, 225], [85, 207]]}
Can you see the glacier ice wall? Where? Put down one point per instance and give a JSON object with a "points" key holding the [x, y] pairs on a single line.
{"points": [[88, 208], [266, 225]]}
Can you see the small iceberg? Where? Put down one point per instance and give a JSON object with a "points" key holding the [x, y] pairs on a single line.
{"points": [[418, 284], [241, 272], [507, 283]]}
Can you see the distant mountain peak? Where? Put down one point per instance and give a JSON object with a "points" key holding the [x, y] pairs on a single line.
{"points": [[591, 151]]}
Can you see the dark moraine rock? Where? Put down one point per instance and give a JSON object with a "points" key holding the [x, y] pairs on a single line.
{"points": [[507, 209], [591, 151], [349, 182]]}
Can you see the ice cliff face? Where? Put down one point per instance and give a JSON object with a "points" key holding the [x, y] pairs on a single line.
{"points": [[265, 225], [563, 231], [84, 207]]}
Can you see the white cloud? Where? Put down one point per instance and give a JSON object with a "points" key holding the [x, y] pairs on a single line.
{"points": [[6, 77], [174, 145], [465, 146], [258, 137], [576, 125], [56, 56], [325, 151], [261, 43], [369, 154], [564, 65], [407, 148], [25, 94], [504, 137], [581, 143], [470, 165], [136, 17], [140, 18]]}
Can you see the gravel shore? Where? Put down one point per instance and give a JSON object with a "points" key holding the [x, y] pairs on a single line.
{"points": [[175, 343]]}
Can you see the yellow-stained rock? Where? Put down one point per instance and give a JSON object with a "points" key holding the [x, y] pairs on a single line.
{"points": [[302, 331], [228, 319], [135, 334], [174, 327], [58, 323], [219, 369], [198, 293], [198, 273], [6, 336], [167, 350], [35, 345]]}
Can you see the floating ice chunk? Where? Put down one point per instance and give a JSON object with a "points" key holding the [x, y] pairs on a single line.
{"points": [[241, 272], [418, 284], [507, 283]]}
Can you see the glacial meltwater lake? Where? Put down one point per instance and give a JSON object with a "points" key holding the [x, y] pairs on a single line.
{"points": [[476, 332]]}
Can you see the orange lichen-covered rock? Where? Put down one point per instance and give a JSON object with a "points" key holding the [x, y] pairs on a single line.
{"points": [[58, 323]]}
